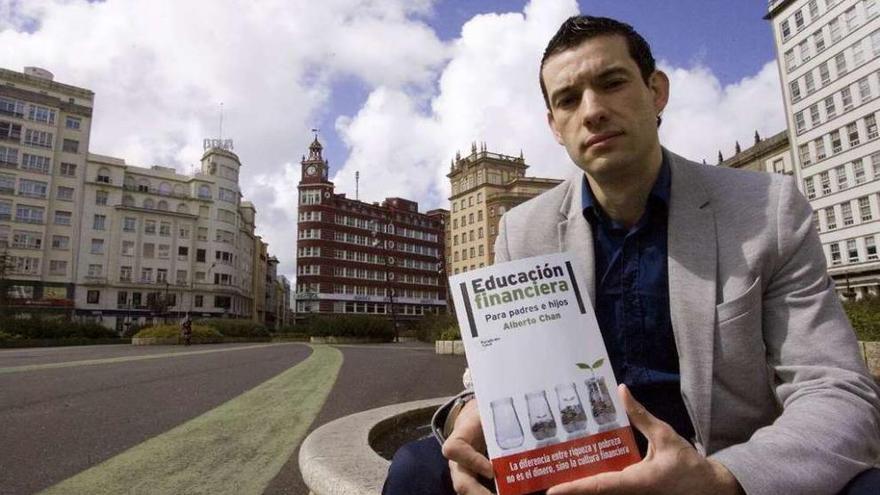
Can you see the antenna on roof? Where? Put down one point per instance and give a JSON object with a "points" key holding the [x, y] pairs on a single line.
{"points": [[220, 133], [357, 182]]}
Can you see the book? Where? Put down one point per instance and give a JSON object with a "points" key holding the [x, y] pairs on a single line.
{"points": [[546, 391]]}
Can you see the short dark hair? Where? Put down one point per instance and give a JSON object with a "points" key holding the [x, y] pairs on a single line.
{"points": [[577, 29]]}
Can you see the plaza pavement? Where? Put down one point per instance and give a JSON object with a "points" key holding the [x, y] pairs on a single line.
{"points": [[203, 419]]}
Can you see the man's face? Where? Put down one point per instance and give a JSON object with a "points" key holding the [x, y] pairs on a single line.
{"points": [[602, 111]]}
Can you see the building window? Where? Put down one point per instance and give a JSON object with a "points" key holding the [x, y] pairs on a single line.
{"points": [[13, 108], [849, 18], [859, 171], [852, 251], [870, 8], [97, 246], [809, 188], [42, 114], [99, 222], [201, 255], [830, 110], [858, 54], [64, 193], [162, 275], [835, 254], [93, 296], [36, 163], [846, 213], [842, 182], [846, 95], [785, 29], [164, 251], [816, 221], [836, 145], [804, 51], [819, 41], [62, 217], [871, 248], [795, 90], [840, 63], [73, 123], [805, 154], [819, 144], [852, 133], [865, 90], [149, 227], [199, 301], [70, 146], [40, 139], [32, 188], [147, 275], [57, 267], [149, 250], [825, 181], [830, 218], [824, 74], [68, 169], [814, 115], [127, 248], [165, 229], [60, 242], [789, 61], [865, 209], [800, 123], [871, 126]]}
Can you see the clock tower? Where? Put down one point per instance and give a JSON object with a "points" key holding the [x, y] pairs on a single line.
{"points": [[314, 167]]}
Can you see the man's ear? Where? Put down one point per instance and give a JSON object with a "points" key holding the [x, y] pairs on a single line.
{"points": [[553, 128], [659, 84]]}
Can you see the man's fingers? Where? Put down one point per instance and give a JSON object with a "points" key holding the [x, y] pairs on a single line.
{"points": [[461, 452], [655, 431], [464, 482]]}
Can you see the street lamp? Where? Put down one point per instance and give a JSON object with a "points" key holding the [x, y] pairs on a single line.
{"points": [[377, 243]]}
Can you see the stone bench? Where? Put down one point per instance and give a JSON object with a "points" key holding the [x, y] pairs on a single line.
{"points": [[339, 459]]}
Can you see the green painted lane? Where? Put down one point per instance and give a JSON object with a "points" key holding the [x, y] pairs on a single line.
{"points": [[236, 448], [123, 359]]}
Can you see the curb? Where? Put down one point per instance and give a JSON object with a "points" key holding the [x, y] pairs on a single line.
{"points": [[336, 459]]}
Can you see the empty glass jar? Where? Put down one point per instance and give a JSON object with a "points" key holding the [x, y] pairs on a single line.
{"points": [[508, 432]]}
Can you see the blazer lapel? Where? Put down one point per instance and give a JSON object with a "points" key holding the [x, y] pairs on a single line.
{"points": [[692, 245], [575, 234]]}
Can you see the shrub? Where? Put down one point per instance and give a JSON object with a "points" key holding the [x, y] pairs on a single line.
{"points": [[44, 328], [451, 333], [430, 327], [171, 331], [235, 328], [356, 326], [865, 317]]}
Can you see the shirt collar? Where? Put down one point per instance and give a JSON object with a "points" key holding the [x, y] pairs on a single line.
{"points": [[659, 193]]}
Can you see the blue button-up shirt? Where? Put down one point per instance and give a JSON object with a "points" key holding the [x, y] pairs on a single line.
{"points": [[632, 302]]}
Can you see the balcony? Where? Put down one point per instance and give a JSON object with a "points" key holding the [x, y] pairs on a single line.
{"points": [[8, 164], [96, 279], [34, 221], [30, 194]]}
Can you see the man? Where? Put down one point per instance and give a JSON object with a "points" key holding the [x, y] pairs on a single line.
{"points": [[710, 289]]}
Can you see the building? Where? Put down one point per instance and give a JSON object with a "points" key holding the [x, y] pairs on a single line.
{"points": [[157, 245], [766, 155], [44, 140], [484, 186], [827, 53], [358, 257]]}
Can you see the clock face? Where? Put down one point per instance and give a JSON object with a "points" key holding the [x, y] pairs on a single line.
{"points": [[311, 170]]}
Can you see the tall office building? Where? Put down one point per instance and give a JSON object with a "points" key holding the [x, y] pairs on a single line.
{"points": [[484, 186], [159, 244], [359, 257], [89, 235], [828, 54], [44, 141]]}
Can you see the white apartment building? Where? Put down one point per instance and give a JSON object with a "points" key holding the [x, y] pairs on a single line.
{"points": [[44, 141], [156, 244], [828, 54]]}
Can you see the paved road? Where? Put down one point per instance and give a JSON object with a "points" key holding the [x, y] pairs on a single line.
{"points": [[84, 416]]}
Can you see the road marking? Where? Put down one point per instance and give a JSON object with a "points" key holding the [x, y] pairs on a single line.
{"points": [[123, 359], [236, 448]]}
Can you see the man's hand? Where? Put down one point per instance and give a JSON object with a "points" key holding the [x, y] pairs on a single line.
{"points": [[463, 448], [671, 466]]}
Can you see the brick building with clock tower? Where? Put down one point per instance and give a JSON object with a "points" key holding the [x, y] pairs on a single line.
{"points": [[369, 258]]}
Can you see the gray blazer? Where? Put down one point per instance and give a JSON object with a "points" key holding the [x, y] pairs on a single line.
{"points": [[770, 370]]}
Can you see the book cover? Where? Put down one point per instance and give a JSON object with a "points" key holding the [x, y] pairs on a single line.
{"points": [[544, 386]]}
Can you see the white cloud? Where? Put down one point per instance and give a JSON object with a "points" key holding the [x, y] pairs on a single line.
{"points": [[704, 117], [160, 68]]}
